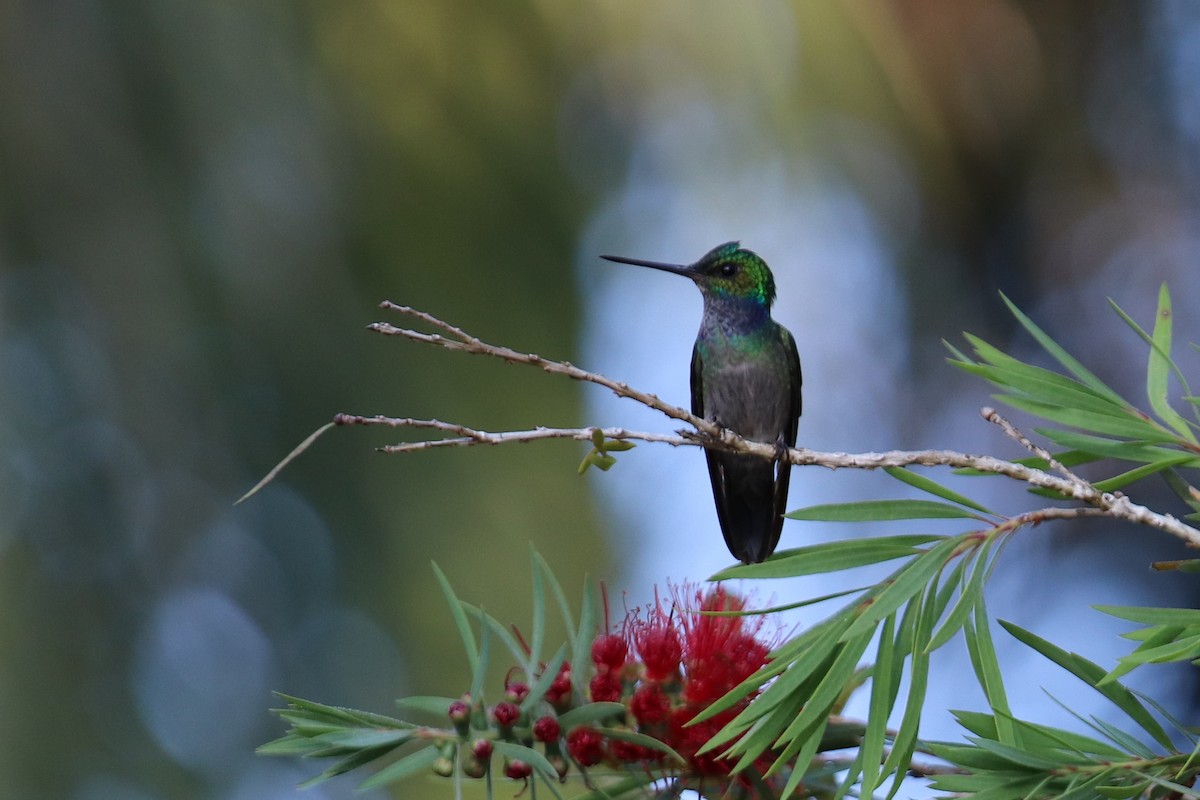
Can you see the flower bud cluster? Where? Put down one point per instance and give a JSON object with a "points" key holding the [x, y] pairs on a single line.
{"points": [[478, 727]]}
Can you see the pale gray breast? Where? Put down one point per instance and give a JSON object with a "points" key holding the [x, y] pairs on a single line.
{"points": [[752, 397]]}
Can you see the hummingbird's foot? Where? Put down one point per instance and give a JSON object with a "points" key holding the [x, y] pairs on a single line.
{"points": [[693, 435], [781, 451]]}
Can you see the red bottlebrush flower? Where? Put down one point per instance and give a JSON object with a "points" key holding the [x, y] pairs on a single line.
{"points": [[688, 740], [628, 752], [719, 652], [586, 746], [517, 770], [609, 652], [605, 688], [659, 646], [650, 705], [506, 714], [689, 659], [546, 729]]}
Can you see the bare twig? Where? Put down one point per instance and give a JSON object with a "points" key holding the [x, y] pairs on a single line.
{"points": [[1010, 430], [467, 343], [469, 436], [709, 435]]}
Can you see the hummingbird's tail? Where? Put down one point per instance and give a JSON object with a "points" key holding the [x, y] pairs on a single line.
{"points": [[745, 490]]}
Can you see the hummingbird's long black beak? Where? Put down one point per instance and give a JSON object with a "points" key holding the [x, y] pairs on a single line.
{"points": [[678, 269]]}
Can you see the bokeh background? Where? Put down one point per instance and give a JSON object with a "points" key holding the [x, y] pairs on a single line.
{"points": [[202, 203]]}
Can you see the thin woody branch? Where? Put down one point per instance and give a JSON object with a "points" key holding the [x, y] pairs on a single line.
{"points": [[465, 342], [709, 435], [465, 436]]}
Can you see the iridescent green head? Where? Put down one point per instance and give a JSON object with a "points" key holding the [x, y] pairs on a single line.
{"points": [[725, 272]]}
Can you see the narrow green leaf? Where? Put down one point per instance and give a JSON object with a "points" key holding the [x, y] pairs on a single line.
{"points": [[1151, 639], [1137, 473], [1042, 384], [881, 511], [1129, 426], [1062, 356], [811, 601], [1171, 632], [880, 708], [958, 357], [633, 737], [934, 488], [906, 582], [802, 757], [460, 619], [790, 665], [1022, 758], [499, 630], [1092, 674], [434, 706], [1068, 458], [1153, 616], [1186, 492], [758, 735], [791, 683], [540, 564], [998, 786], [969, 757], [830, 687], [344, 765], [1183, 730], [819, 559], [905, 738], [987, 669], [1123, 791], [968, 599], [290, 745], [1123, 739], [1084, 788], [905, 637], [585, 632], [538, 690], [1185, 649], [320, 711], [767, 719], [948, 585], [363, 738], [410, 764], [1141, 450], [849, 782], [1157, 371], [538, 633], [1176, 789], [591, 712], [481, 665]]}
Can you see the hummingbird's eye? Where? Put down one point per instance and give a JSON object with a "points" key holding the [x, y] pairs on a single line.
{"points": [[729, 269]]}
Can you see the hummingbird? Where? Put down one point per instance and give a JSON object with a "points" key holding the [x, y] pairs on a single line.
{"points": [[745, 378]]}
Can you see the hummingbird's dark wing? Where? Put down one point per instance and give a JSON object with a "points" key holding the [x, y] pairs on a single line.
{"points": [[783, 471], [715, 473]]}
